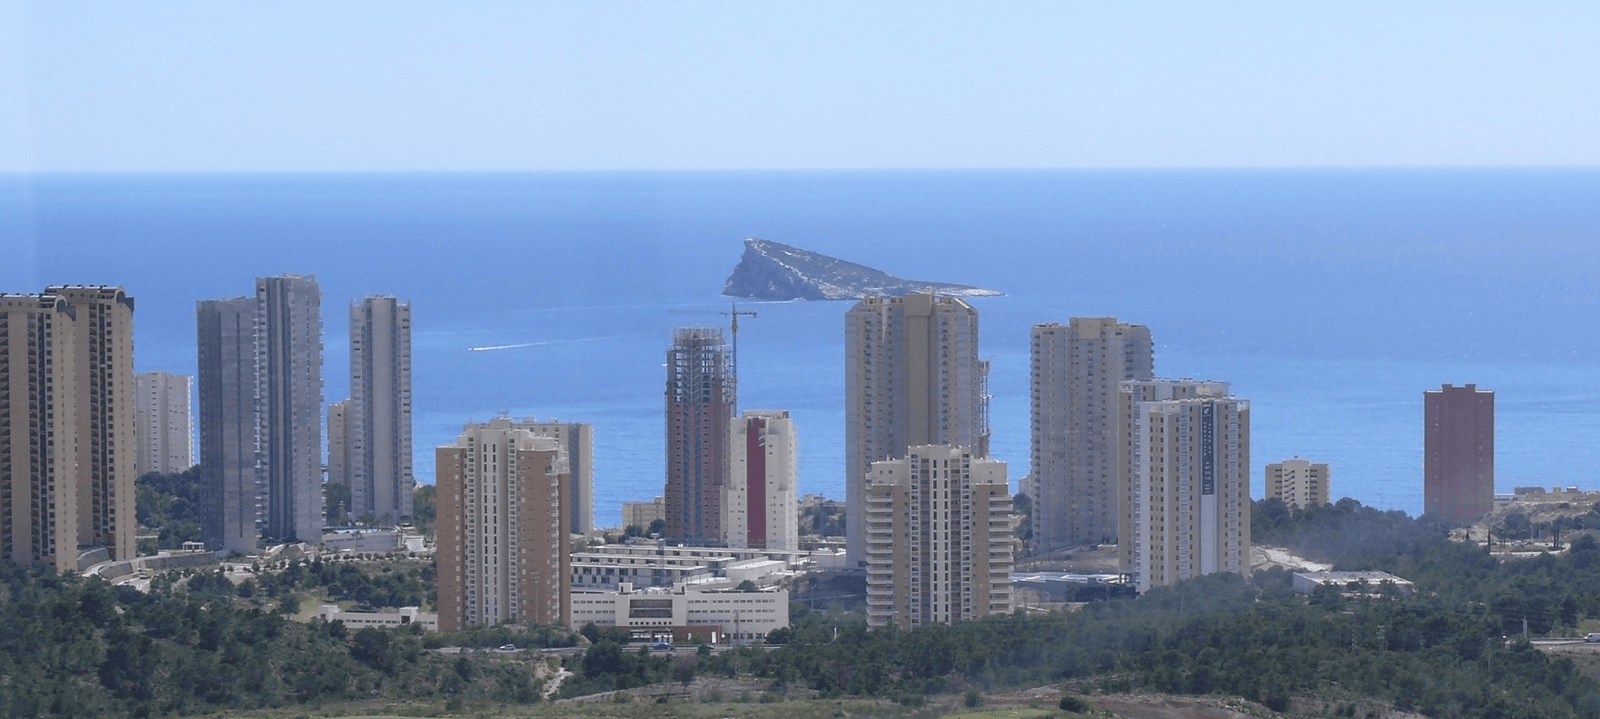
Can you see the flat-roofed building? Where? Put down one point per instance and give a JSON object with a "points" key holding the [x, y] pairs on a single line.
{"points": [[232, 492], [760, 507], [503, 548], [107, 404], [1298, 482], [1458, 453], [1188, 482], [378, 443], [913, 377], [939, 542], [675, 613], [1077, 448], [577, 442], [643, 514], [699, 404], [38, 428], [163, 427]]}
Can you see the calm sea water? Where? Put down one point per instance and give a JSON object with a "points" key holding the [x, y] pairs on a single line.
{"points": [[1330, 299]]}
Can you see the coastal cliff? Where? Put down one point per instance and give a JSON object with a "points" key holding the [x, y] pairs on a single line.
{"points": [[775, 271]]}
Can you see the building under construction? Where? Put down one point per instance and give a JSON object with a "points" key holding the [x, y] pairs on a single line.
{"points": [[700, 405]]}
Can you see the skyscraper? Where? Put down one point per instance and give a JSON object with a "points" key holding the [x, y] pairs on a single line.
{"points": [[1298, 482], [938, 543], [163, 427], [338, 485], [38, 469], [760, 508], [1187, 503], [699, 409], [503, 543], [289, 387], [379, 413], [106, 400], [577, 445], [1458, 453], [231, 489], [912, 378], [1077, 450], [260, 382]]}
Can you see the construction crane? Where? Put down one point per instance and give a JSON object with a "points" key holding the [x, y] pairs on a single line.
{"points": [[733, 313]]}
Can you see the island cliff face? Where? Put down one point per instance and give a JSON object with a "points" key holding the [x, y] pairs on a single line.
{"points": [[775, 271]]}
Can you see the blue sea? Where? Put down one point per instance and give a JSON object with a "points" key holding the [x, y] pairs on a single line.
{"points": [[1330, 298]]}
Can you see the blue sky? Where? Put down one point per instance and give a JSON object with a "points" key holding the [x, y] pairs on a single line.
{"points": [[231, 86]]}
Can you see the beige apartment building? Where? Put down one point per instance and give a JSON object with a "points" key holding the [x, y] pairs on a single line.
{"points": [[339, 452], [1077, 448], [577, 444], [163, 427], [1187, 498], [760, 505], [503, 548], [643, 514], [912, 377], [938, 538], [1298, 482], [38, 469], [107, 401]]}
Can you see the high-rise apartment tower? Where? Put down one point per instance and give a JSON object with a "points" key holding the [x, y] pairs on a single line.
{"points": [[938, 539], [912, 378], [163, 427], [1187, 505], [260, 384], [503, 547], [577, 445], [1458, 453], [1077, 449], [106, 401], [1298, 482], [38, 430], [760, 508], [378, 464], [699, 410]]}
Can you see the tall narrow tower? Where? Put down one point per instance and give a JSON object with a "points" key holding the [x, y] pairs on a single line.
{"points": [[912, 377], [289, 388], [106, 402], [1458, 453], [699, 403], [760, 508], [38, 469], [1076, 454], [379, 414], [164, 427], [231, 489]]}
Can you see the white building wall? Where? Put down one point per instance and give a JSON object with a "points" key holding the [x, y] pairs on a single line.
{"points": [[772, 434], [163, 425]]}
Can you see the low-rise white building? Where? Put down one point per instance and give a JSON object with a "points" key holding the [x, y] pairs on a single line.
{"points": [[659, 613], [1347, 582], [660, 565], [402, 617]]}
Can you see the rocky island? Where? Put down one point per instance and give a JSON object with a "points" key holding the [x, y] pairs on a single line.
{"points": [[776, 272]]}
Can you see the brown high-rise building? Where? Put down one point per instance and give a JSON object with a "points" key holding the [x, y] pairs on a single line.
{"points": [[912, 377], [1458, 453], [699, 411], [503, 545], [38, 426]]}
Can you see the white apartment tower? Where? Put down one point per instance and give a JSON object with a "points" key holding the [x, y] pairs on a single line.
{"points": [[503, 543], [163, 429], [1073, 477], [938, 538], [1187, 502], [912, 378], [760, 508], [1298, 482], [378, 447]]}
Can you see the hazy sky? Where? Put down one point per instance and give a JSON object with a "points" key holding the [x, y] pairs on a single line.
{"points": [[177, 85]]}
